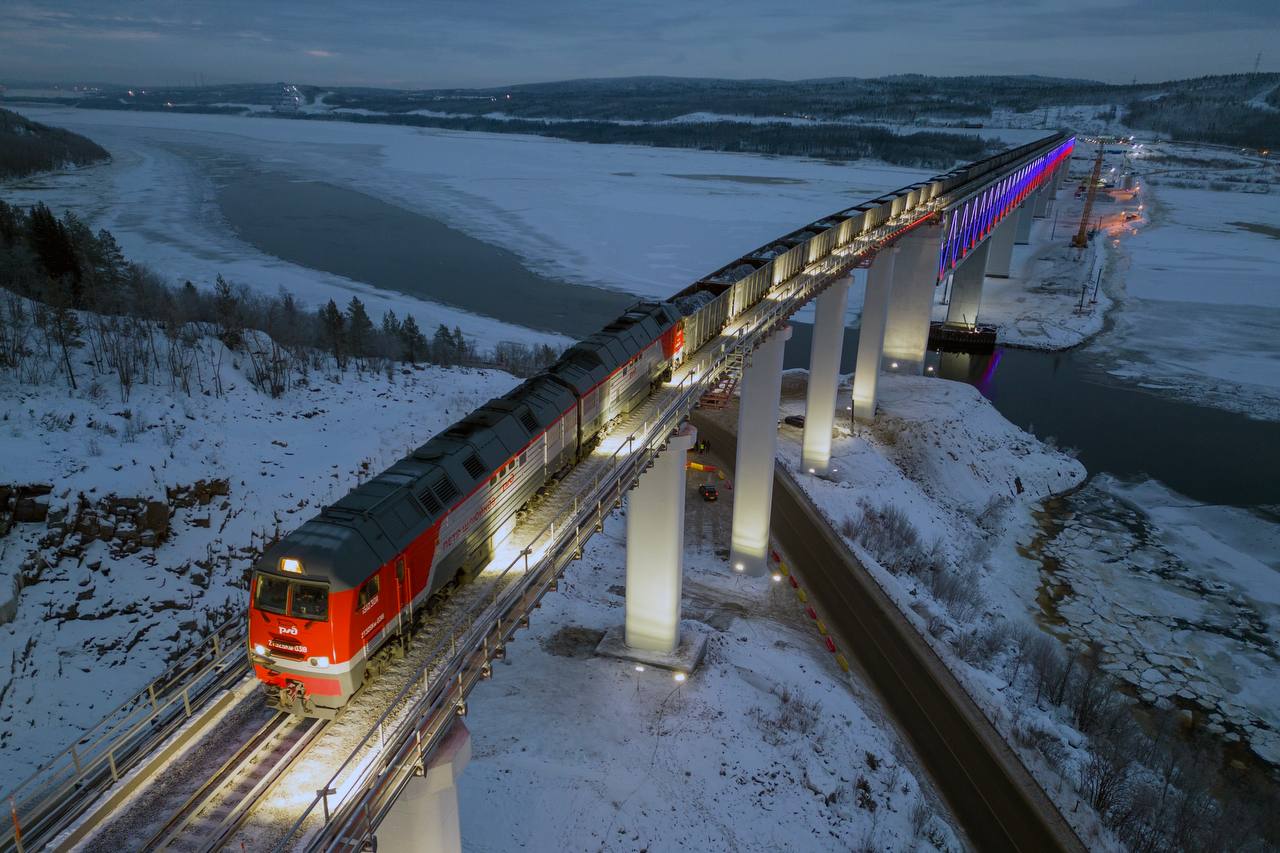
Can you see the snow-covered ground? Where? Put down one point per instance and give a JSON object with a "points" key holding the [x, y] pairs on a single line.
{"points": [[967, 481], [96, 626], [767, 746]]}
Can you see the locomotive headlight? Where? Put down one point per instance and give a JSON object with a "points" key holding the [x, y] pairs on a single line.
{"points": [[259, 649], [320, 662], [289, 564]]}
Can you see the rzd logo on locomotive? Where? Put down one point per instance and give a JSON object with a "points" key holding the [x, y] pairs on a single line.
{"points": [[289, 629]]}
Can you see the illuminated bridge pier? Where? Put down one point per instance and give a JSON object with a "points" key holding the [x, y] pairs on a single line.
{"points": [[915, 274], [425, 817], [652, 632], [757, 447], [824, 376], [875, 316]]}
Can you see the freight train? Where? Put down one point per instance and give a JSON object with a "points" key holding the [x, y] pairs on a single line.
{"points": [[331, 599]]}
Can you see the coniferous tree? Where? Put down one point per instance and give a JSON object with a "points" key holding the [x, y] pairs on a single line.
{"points": [[442, 348], [390, 325], [65, 325], [461, 349], [48, 238], [333, 325], [227, 312], [359, 329], [412, 339]]}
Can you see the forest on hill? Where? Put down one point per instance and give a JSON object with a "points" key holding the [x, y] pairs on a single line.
{"points": [[27, 147]]}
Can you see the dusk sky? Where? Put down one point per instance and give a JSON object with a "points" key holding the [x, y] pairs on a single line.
{"points": [[443, 44]]}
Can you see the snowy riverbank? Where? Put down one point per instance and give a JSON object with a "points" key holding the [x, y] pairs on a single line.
{"points": [[942, 500]]}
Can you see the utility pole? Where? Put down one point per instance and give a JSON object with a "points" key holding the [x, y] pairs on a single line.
{"points": [[1082, 237], [1257, 62]]}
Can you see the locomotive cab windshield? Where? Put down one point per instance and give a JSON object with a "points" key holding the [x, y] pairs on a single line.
{"points": [[287, 597]]}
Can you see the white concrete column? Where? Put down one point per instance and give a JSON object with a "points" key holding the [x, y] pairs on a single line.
{"points": [[424, 817], [757, 446], [1025, 216], [824, 375], [1043, 197], [966, 287], [1000, 255], [655, 549], [915, 272], [875, 314]]}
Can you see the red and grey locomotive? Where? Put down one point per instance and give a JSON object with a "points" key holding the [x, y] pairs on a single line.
{"points": [[330, 594]]}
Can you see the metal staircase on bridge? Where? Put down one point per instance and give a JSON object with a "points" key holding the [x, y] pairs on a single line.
{"points": [[719, 396]]}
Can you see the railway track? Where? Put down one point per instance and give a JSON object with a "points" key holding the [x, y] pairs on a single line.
{"points": [[212, 814]]}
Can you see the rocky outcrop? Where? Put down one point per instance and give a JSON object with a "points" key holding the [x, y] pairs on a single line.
{"points": [[23, 504], [127, 524]]}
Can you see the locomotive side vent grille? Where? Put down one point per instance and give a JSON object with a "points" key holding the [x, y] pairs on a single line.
{"points": [[526, 418], [474, 466], [434, 507], [445, 490]]}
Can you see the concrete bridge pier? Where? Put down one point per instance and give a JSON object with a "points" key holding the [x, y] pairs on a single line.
{"points": [[655, 549], [1000, 255], [875, 314], [915, 273], [1043, 197], [966, 287], [651, 631], [1025, 215], [824, 375], [757, 447], [425, 817]]}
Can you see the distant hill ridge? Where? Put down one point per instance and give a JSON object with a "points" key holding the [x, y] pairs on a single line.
{"points": [[27, 147], [1234, 109]]}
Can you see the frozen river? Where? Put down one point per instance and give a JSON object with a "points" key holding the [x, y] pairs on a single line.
{"points": [[324, 227]]}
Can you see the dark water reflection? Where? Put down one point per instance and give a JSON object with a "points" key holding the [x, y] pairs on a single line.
{"points": [[1207, 454], [341, 231]]}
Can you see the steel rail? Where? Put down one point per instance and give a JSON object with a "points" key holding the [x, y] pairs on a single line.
{"points": [[181, 817], [63, 788], [208, 819]]}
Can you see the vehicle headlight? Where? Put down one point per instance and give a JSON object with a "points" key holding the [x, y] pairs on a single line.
{"points": [[259, 649], [320, 662]]}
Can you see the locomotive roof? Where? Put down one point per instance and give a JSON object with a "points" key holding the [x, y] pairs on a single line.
{"points": [[585, 364], [378, 519]]}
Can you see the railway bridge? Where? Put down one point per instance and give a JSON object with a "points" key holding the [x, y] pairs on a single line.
{"points": [[392, 777]]}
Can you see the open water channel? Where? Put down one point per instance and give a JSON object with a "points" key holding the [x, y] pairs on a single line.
{"points": [[1208, 454]]}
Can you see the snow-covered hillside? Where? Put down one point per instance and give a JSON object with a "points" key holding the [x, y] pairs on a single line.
{"points": [[99, 611]]}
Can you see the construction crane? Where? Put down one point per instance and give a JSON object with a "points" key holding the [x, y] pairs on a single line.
{"points": [[1081, 239]]}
